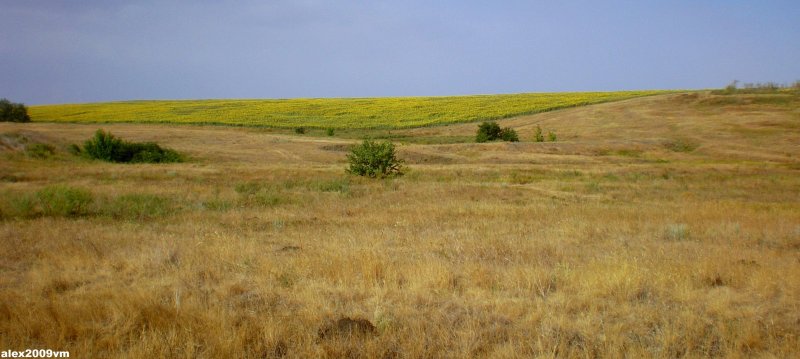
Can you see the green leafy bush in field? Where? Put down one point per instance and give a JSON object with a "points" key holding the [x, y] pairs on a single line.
{"points": [[149, 152], [509, 135], [488, 131], [538, 136], [491, 131], [300, 130], [13, 112], [105, 146], [551, 136], [374, 159], [329, 132]]}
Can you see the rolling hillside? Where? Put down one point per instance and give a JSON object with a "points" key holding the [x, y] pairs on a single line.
{"points": [[657, 227]]}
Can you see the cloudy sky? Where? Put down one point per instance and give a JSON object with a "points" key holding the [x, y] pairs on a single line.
{"points": [[91, 50]]}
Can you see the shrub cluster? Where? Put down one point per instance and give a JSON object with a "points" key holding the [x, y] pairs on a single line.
{"points": [[104, 146], [538, 136], [491, 131], [13, 112], [756, 88], [374, 159]]}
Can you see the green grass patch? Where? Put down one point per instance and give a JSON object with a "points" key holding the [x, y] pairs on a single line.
{"points": [[39, 150], [261, 194], [70, 202], [682, 145], [50, 201], [676, 232], [137, 206], [629, 153]]}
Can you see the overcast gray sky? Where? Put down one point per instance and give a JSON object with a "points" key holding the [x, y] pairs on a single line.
{"points": [[85, 51]]}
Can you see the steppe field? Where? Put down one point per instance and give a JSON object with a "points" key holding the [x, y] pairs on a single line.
{"points": [[664, 226]]}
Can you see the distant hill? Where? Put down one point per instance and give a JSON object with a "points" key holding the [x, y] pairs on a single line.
{"points": [[388, 112]]}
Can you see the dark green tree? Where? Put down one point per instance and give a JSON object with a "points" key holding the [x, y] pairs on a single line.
{"points": [[488, 131], [491, 131], [13, 112]]}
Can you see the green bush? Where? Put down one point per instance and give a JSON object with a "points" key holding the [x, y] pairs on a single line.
{"points": [[488, 131], [551, 136], [374, 159], [105, 146], [491, 131], [329, 132], [149, 152], [508, 134], [538, 136], [13, 112], [300, 130]]}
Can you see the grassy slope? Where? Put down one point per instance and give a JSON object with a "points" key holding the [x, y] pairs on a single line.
{"points": [[399, 112], [612, 242]]}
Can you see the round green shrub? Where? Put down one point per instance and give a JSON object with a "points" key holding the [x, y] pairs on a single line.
{"points": [[374, 160]]}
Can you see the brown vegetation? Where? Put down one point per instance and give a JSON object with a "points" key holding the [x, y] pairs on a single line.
{"points": [[665, 226]]}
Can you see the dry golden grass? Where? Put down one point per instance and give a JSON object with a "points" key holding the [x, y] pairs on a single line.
{"points": [[613, 242]]}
